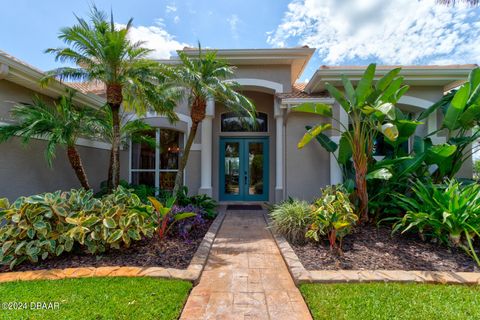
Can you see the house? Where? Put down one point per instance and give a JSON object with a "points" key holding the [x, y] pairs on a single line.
{"points": [[227, 161]]}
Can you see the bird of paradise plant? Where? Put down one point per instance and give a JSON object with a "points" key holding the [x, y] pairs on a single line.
{"points": [[371, 110]]}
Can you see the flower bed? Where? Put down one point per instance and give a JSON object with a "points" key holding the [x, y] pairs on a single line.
{"points": [[173, 252], [369, 248]]}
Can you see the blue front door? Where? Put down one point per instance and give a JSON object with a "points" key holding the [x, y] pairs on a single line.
{"points": [[244, 169]]}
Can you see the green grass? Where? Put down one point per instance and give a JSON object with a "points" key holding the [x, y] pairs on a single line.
{"points": [[97, 298], [392, 301]]}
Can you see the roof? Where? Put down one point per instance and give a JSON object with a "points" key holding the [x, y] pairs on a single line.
{"points": [[95, 87], [298, 92], [297, 57], [17, 71], [418, 75]]}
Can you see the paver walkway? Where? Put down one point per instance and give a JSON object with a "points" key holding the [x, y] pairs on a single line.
{"points": [[245, 276]]}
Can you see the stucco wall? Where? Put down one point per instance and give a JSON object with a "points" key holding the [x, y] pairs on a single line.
{"points": [[275, 73], [308, 169], [24, 170]]}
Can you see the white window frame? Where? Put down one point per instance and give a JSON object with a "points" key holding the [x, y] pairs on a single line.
{"points": [[157, 169]]}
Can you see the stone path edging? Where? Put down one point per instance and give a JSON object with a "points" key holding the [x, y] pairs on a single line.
{"points": [[301, 275], [192, 273]]}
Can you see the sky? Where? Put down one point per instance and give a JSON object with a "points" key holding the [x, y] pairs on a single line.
{"points": [[345, 32]]}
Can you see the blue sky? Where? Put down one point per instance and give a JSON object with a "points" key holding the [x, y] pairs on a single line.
{"points": [[345, 32]]}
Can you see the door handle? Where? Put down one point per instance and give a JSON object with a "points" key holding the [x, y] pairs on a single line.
{"points": [[245, 178]]}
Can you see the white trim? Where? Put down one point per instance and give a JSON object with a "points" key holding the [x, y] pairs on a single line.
{"points": [[275, 86], [294, 101], [92, 143], [416, 102]]}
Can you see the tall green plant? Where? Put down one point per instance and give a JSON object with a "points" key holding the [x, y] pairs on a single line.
{"points": [[450, 213], [200, 78], [370, 107], [61, 124], [101, 50], [461, 110]]}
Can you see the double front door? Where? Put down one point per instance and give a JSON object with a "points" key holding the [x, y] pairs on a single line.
{"points": [[244, 169]]}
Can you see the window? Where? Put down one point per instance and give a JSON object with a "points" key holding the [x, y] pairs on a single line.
{"points": [[156, 167], [234, 122]]}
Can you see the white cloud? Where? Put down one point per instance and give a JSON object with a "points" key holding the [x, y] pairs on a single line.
{"points": [[156, 38], [170, 8], [176, 19], [233, 21], [392, 32]]}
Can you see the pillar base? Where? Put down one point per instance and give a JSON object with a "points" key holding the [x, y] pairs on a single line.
{"points": [[279, 195], [207, 191]]}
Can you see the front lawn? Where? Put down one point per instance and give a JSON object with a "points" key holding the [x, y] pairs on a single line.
{"points": [[95, 298], [392, 301]]}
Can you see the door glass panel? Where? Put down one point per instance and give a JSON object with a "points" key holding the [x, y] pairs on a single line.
{"points": [[232, 168], [255, 168]]}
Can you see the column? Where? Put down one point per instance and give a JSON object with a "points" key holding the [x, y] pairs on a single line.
{"points": [[336, 175], [279, 163], [206, 150]]}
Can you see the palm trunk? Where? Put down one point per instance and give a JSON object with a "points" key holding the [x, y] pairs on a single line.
{"points": [[76, 163], [184, 159], [110, 172], [197, 114], [115, 161], [114, 100]]}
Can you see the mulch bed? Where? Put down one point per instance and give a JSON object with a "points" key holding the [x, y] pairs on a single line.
{"points": [[172, 252], [371, 248]]}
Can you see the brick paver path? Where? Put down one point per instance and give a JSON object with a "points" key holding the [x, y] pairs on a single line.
{"points": [[245, 276]]}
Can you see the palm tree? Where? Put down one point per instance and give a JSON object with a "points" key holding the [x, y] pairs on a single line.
{"points": [[61, 124], [102, 51], [201, 78]]}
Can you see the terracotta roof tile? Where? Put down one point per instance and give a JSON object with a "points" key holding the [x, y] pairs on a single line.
{"points": [[95, 87], [298, 91]]}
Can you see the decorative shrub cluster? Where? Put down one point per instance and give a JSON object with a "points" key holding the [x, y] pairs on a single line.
{"points": [[449, 213], [45, 225], [329, 216], [202, 201]]}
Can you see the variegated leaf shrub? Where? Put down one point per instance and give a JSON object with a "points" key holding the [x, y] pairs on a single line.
{"points": [[46, 225], [332, 217]]}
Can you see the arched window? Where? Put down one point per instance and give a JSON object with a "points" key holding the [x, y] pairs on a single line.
{"points": [[234, 122], [156, 167]]}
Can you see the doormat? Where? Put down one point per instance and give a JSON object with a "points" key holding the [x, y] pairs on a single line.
{"points": [[244, 207]]}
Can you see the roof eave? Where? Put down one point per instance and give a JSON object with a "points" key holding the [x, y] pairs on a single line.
{"points": [[418, 74], [25, 74]]}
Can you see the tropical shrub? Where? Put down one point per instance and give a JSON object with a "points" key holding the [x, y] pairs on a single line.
{"points": [[291, 219], [114, 221], [333, 216], [142, 191], [186, 226], [461, 117], [447, 212], [165, 217], [202, 201], [34, 228], [46, 225]]}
